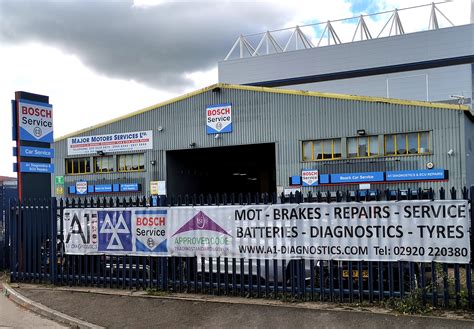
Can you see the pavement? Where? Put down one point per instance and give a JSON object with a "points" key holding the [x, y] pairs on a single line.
{"points": [[15, 316], [114, 308]]}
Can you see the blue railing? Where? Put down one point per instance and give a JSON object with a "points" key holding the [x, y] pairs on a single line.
{"points": [[37, 255]]}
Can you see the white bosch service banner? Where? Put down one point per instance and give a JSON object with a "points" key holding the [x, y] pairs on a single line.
{"points": [[130, 141], [421, 231], [35, 121], [219, 118]]}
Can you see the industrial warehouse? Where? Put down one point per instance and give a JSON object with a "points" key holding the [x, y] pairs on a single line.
{"points": [[241, 136], [231, 138]]}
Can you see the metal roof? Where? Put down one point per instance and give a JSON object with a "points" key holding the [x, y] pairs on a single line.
{"points": [[275, 91]]}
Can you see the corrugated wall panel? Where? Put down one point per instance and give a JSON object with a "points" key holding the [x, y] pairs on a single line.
{"points": [[286, 120]]}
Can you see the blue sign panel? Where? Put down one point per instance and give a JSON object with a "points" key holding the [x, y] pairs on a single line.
{"points": [[134, 187], [361, 177], [412, 175], [324, 179], [34, 167], [106, 188], [295, 180], [115, 230], [37, 152]]}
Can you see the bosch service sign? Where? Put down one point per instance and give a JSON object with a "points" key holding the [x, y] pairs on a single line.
{"points": [[219, 118], [35, 121], [310, 177]]}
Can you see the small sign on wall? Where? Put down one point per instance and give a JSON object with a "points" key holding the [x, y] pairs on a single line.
{"points": [[219, 118], [310, 177]]}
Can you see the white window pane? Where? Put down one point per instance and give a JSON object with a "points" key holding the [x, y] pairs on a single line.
{"points": [[363, 147], [424, 142], [351, 147], [374, 145], [401, 144], [413, 143], [307, 151], [337, 148]]}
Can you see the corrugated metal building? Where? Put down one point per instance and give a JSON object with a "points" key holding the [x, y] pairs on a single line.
{"points": [[275, 134], [430, 66]]}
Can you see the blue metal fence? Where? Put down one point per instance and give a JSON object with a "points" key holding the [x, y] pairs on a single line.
{"points": [[38, 255]]}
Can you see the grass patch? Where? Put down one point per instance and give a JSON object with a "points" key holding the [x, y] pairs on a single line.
{"points": [[155, 292]]}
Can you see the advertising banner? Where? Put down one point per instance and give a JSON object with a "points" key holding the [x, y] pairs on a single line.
{"points": [[219, 118], [419, 231], [35, 121], [121, 142]]}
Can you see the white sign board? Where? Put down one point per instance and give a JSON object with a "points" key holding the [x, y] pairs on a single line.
{"points": [[310, 177], [418, 231], [81, 187], [120, 142], [35, 121], [219, 118]]}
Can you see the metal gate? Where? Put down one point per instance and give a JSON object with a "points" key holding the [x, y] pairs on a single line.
{"points": [[8, 191], [37, 255]]}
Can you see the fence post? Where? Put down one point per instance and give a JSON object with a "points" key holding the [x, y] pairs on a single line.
{"points": [[471, 213], [54, 242]]}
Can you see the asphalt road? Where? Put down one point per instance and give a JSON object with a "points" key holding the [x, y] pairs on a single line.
{"points": [[114, 311], [13, 316]]}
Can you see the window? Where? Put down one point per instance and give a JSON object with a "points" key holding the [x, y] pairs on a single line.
{"points": [[78, 166], [131, 162], [326, 149], [409, 143], [104, 164], [359, 147]]}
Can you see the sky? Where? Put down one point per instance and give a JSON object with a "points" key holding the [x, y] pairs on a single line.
{"points": [[99, 59]]}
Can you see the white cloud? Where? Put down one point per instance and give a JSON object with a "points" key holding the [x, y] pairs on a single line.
{"points": [[82, 97]]}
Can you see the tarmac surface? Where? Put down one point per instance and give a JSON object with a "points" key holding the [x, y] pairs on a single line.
{"points": [[121, 309]]}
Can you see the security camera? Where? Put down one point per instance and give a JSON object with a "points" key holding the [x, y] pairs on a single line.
{"points": [[450, 152], [192, 144], [217, 136]]}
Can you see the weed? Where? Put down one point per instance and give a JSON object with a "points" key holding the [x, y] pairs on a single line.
{"points": [[412, 303], [154, 292]]}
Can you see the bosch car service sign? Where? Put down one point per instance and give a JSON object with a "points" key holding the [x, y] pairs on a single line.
{"points": [[219, 118], [35, 121]]}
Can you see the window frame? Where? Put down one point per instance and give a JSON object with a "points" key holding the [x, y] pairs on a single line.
{"points": [[78, 160], [358, 156], [407, 149], [321, 144], [110, 164], [127, 164]]}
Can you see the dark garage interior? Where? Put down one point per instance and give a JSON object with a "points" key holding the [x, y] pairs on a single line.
{"points": [[230, 169]]}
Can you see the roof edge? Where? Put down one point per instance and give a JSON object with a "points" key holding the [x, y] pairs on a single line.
{"points": [[270, 90]]}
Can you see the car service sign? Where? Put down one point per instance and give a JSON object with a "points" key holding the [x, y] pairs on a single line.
{"points": [[219, 118], [310, 177], [35, 121]]}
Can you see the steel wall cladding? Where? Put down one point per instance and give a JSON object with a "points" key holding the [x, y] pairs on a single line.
{"points": [[287, 119]]}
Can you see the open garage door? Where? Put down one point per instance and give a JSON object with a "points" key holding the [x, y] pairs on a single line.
{"points": [[239, 169]]}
